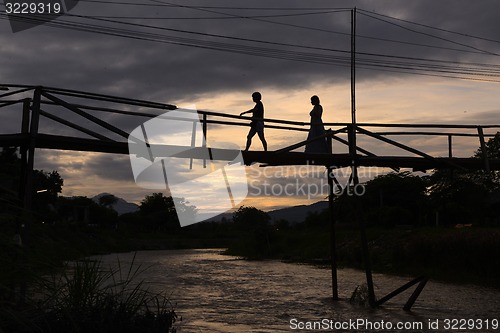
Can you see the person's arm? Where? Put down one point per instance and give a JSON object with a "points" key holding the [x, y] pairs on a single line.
{"points": [[245, 112]]}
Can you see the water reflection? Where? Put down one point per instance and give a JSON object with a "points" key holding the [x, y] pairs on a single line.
{"points": [[216, 293]]}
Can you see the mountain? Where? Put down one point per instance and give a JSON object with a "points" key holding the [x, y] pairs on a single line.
{"points": [[297, 214], [121, 206]]}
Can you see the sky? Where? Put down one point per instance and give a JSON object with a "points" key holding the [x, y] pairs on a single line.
{"points": [[422, 61]]}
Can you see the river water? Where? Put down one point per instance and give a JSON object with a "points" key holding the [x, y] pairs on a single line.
{"points": [[217, 293]]}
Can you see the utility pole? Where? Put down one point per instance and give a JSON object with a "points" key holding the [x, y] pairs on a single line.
{"points": [[354, 167]]}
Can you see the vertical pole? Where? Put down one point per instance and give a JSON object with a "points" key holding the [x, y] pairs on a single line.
{"points": [[204, 142], [25, 127], [353, 66], [352, 132], [22, 215], [193, 143], [450, 146], [450, 155], [354, 168], [28, 175], [333, 245], [483, 149]]}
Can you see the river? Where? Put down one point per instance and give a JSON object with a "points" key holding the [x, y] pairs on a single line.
{"points": [[216, 293]]}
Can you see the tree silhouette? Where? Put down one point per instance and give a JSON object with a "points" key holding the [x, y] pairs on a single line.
{"points": [[107, 200], [159, 211], [250, 216]]}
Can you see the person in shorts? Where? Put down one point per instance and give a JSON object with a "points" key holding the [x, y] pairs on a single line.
{"points": [[257, 124]]}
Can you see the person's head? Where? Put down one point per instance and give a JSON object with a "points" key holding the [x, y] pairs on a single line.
{"points": [[315, 100], [256, 96]]}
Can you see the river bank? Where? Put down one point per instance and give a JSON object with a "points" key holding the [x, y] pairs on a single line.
{"points": [[467, 255]]}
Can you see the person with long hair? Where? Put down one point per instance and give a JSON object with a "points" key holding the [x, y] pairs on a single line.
{"points": [[317, 129]]}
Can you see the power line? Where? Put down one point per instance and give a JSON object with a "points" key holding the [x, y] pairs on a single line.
{"points": [[426, 34], [410, 65], [253, 19], [215, 17], [435, 28], [215, 7], [259, 18], [276, 43], [204, 34]]}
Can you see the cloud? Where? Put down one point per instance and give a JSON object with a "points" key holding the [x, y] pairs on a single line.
{"points": [[110, 64]]}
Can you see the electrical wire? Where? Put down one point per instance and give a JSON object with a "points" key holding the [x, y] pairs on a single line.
{"points": [[232, 16], [428, 35], [435, 28], [215, 7], [214, 17], [419, 66]]}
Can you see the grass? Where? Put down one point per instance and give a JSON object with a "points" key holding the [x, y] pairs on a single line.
{"points": [[86, 297]]}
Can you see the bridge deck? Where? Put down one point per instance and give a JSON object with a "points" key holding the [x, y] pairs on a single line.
{"points": [[270, 158]]}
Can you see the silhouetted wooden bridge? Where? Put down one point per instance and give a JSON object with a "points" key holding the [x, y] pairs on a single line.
{"points": [[30, 104]]}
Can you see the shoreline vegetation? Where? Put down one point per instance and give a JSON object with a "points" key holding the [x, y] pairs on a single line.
{"points": [[449, 254]]}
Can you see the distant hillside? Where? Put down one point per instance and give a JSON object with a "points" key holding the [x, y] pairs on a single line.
{"points": [[121, 206], [297, 214]]}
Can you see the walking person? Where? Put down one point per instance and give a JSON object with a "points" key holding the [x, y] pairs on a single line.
{"points": [[257, 124], [317, 129]]}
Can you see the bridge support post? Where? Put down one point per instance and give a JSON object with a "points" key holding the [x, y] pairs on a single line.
{"points": [[359, 220], [23, 149], [30, 161], [333, 241]]}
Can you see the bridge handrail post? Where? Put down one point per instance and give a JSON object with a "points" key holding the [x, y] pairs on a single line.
{"points": [[204, 139]]}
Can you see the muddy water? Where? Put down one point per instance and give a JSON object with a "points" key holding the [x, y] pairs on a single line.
{"points": [[217, 293]]}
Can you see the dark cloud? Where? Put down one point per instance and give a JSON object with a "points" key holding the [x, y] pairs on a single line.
{"points": [[145, 69]]}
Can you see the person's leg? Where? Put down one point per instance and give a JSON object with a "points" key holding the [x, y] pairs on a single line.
{"points": [[250, 135], [263, 139]]}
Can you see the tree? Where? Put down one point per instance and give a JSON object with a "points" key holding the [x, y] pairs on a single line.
{"points": [[160, 213], [107, 200], [492, 148], [255, 233], [46, 187], [462, 196], [394, 198], [83, 211], [250, 216], [155, 203]]}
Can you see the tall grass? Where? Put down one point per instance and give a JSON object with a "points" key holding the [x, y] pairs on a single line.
{"points": [[86, 297]]}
